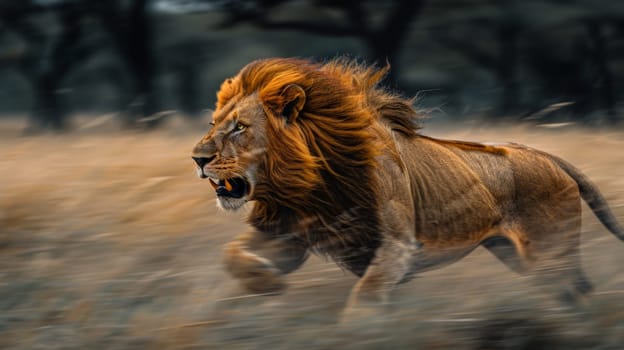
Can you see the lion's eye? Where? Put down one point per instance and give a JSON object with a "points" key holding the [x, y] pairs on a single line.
{"points": [[240, 127]]}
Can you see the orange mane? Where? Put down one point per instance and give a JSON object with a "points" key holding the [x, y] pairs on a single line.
{"points": [[321, 164]]}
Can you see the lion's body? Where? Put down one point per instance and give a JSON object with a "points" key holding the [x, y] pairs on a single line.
{"points": [[336, 166], [464, 193]]}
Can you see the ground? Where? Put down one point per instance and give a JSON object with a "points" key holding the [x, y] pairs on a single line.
{"points": [[109, 240]]}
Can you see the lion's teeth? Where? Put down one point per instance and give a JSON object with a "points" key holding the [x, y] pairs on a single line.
{"points": [[214, 183], [228, 185]]}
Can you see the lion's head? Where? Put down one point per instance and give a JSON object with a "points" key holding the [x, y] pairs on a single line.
{"points": [[292, 133], [230, 154]]}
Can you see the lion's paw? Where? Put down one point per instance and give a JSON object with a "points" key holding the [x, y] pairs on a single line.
{"points": [[256, 274], [263, 280]]}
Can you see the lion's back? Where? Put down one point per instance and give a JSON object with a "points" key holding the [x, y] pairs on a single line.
{"points": [[458, 184], [451, 190]]}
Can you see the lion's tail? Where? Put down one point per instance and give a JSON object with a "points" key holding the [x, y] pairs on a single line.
{"points": [[593, 197]]}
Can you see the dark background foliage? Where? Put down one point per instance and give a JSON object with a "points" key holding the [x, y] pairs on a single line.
{"points": [[545, 60]]}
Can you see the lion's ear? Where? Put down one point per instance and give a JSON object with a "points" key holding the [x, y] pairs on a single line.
{"points": [[294, 99]]}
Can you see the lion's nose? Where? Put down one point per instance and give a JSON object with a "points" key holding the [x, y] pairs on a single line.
{"points": [[201, 161]]}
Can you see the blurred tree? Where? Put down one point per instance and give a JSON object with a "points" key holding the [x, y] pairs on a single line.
{"points": [[572, 54], [381, 26], [132, 32], [497, 50], [46, 59], [564, 45], [186, 59], [520, 56], [51, 54], [601, 58]]}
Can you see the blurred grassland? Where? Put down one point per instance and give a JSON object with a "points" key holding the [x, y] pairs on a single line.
{"points": [[109, 240]]}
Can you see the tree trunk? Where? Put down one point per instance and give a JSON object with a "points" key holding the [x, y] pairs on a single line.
{"points": [[139, 56], [604, 75], [386, 42], [506, 71], [188, 86], [46, 68], [131, 31], [47, 111]]}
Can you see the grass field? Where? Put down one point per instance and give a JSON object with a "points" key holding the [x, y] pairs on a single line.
{"points": [[108, 240]]}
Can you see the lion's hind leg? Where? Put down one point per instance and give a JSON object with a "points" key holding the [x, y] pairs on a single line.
{"points": [[510, 253], [555, 266], [563, 274], [553, 250]]}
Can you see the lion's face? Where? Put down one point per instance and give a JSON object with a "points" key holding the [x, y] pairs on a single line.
{"points": [[231, 152]]}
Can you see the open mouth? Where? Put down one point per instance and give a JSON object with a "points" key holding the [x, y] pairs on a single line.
{"points": [[235, 187]]}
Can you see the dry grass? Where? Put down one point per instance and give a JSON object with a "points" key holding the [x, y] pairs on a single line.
{"points": [[108, 240]]}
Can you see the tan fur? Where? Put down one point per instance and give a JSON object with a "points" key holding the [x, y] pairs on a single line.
{"points": [[337, 167]]}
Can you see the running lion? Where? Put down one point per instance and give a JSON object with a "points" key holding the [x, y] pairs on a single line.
{"points": [[335, 165]]}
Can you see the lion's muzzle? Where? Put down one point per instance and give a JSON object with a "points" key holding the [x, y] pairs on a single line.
{"points": [[232, 187], [201, 161]]}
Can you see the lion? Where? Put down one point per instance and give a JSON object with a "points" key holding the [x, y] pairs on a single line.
{"points": [[336, 165]]}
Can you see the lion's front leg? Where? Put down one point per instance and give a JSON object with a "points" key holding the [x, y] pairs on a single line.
{"points": [[260, 261], [391, 263]]}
